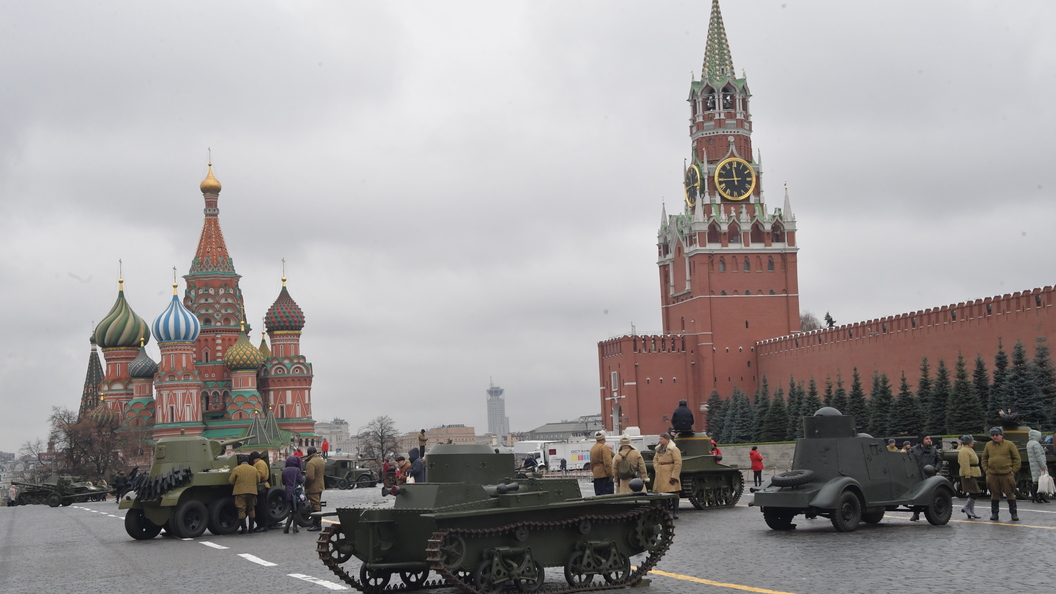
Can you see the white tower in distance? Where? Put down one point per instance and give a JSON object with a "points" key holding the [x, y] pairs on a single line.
{"points": [[498, 422]]}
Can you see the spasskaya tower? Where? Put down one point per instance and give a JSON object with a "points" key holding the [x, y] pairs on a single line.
{"points": [[727, 264]]}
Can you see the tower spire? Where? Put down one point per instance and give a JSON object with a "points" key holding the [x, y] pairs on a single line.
{"points": [[718, 62]]}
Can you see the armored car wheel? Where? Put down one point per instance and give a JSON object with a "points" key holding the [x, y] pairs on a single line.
{"points": [[940, 509], [190, 519], [139, 527], [341, 483], [54, 499], [792, 478], [375, 580], [848, 513], [779, 518], [873, 517], [276, 504], [223, 516]]}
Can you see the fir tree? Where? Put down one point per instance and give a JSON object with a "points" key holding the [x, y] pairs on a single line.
{"points": [[924, 387], [881, 405], [811, 404], [940, 396], [828, 392], [905, 420], [729, 419], [1045, 379], [762, 405], [999, 388], [795, 397], [856, 402], [981, 385], [776, 421], [716, 414], [1024, 398], [741, 431], [839, 397], [964, 414]]}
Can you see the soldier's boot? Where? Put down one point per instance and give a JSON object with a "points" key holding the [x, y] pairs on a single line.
{"points": [[295, 528], [1013, 509], [674, 509], [249, 526], [316, 525], [261, 526], [916, 516], [995, 506], [242, 526], [289, 520]]}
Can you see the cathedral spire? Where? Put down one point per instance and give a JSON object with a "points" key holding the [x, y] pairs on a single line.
{"points": [[718, 62], [93, 379], [212, 253]]}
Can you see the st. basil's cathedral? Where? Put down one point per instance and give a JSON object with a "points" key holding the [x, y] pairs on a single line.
{"points": [[210, 379]]}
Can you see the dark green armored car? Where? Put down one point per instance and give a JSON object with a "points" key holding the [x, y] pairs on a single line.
{"points": [[849, 478], [481, 530]]}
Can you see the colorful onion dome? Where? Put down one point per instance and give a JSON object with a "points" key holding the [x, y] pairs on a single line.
{"points": [[176, 323], [140, 411], [243, 356], [121, 327], [210, 185], [263, 348], [244, 406], [142, 367], [284, 315]]}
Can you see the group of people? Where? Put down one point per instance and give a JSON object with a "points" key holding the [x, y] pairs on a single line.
{"points": [[251, 480], [401, 470], [613, 472]]}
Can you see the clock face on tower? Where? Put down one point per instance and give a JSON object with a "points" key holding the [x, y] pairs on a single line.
{"points": [[692, 183], [735, 179]]}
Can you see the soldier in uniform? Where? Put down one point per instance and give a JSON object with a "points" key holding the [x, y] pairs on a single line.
{"points": [[635, 465], [601, 465], [313, 485], [244, 479], [263, 484], [668, 466], [1001, 462], [891, 447]]}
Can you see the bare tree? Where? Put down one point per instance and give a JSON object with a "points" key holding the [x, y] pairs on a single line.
{"points": [[808, 322], [379, 440], [94, 445], [36, 461]]}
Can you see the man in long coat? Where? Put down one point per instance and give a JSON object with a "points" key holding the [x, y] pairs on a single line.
{"points": [[601, 465], [314, 468], [667, 464], [635, 465]]}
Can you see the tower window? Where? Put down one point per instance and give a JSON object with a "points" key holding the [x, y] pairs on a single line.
{"points": [[747, 291], [735, 233], [757, 233], [746, 323], [747, 265], [722, 268], [772, 292], [714, 234], [769, 264], [778, 233], [723, 292]]}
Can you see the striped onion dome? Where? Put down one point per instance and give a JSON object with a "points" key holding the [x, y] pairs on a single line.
{"points": [[284, 315], [176, 323], [142, 367], [242, 355], [121, 327]]}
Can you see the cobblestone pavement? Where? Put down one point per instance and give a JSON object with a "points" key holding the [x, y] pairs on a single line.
{"points": [[84, 548]]}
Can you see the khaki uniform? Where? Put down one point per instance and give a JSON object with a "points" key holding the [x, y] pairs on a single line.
{"points": [[968, 461], [892, 448], [263, 473], [601, 460], [314, 468], [1000, 462], [667, 465], [623, 485], [244, 479]]}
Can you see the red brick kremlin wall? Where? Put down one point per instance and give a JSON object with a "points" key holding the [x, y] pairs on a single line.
{"points": [[895, 344]]}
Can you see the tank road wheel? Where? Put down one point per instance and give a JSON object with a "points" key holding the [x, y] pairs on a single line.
{"points": [[650, 532], [735, 490], [698, 495], [341, 483], [484, 579], [365, 481], [940, 509], [848, 513], [374, 580], [792, 478], [575, 573], [620, 574], [872, 517], [223, 516], [536, 582], [779, 518], [54, 499], [190, 519], [414, 579], [339, 547], [452, 551], [277, 506], [139, 527]]}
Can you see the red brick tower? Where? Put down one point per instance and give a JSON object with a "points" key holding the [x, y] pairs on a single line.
{"points": [[728, 274]]}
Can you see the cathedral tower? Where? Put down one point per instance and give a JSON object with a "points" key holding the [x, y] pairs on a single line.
{"points": [[178, 381], [120, 334]]}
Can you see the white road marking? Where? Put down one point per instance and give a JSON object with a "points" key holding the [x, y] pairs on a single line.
{"points": [[213, 544], [257, 560], [319, 582]]}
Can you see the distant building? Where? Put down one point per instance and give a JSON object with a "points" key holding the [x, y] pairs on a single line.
{"points": [[568, 430], [442, 434], [498, 422], [336, 432]]}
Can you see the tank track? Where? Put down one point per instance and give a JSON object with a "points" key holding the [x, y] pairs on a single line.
{"points": [[463, 581], [703, 496]]}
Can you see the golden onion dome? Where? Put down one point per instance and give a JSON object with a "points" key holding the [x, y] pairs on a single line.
{"points": [[210, 185]]}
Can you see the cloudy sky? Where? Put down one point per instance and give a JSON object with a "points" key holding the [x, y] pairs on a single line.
{"points": [[466, 192]]}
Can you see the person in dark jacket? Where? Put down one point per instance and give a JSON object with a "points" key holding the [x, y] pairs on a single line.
{"points": [[292, 476], [417, 471], [926, 455], [682, 418]]}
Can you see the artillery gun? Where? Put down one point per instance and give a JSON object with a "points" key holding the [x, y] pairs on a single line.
{"points": [[187, 491], [481, 530], [706, 482], [57, 490]]}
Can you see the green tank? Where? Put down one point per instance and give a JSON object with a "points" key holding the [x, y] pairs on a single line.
{"points": [[187, 491], [705, 481], [56, 491], [480, 529]]}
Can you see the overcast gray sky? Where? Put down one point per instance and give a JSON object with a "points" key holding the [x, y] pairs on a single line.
{"points": [[465, 191]]}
